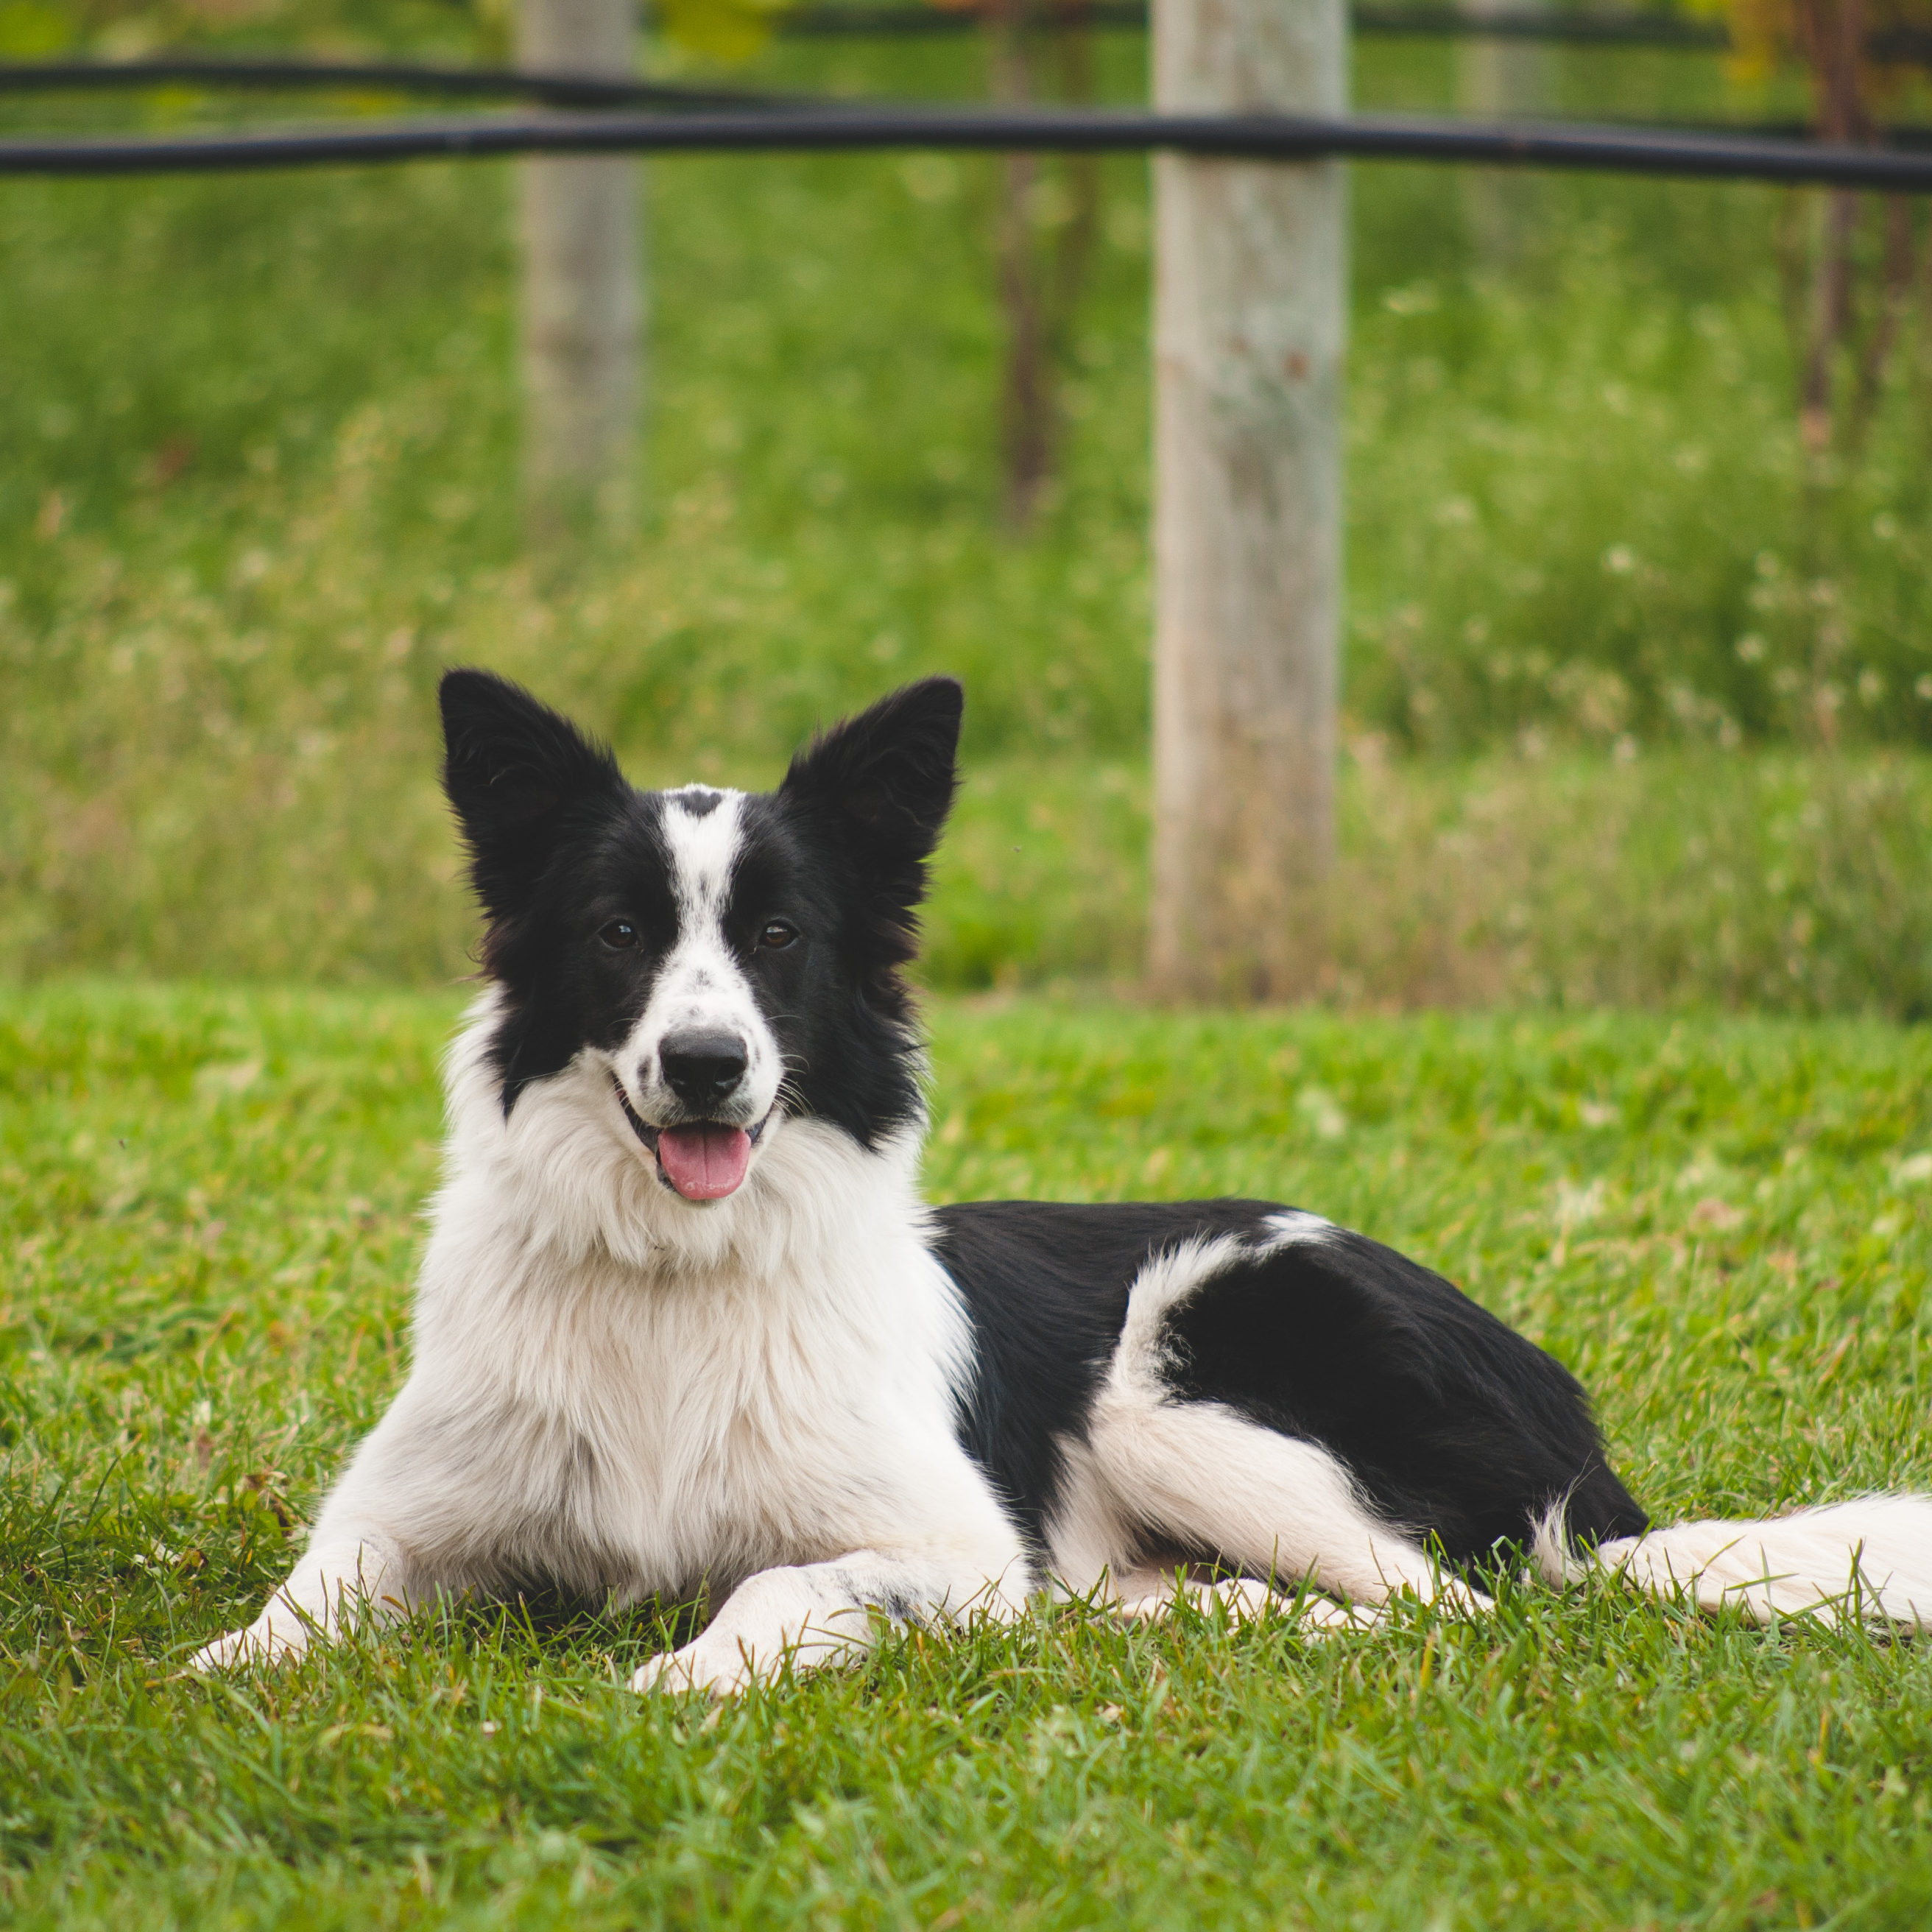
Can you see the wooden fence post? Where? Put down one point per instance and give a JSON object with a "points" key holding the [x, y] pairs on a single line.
{"points": [[1249, 307], [1495, 78], [581, 305]]}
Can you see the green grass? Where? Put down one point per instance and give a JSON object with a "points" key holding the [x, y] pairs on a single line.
{"points": [[209, 1199], [1777, 881], [258, 485]]}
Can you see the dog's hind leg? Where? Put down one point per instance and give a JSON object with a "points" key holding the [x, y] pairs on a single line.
{"points": [[1197, 1477], [1166, 1463], [1301, 1404]]}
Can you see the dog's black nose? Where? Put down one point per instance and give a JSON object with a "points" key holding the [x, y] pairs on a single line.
{"points": [[702, 1066]]}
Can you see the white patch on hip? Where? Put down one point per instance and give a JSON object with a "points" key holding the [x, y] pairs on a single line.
{"points": [[1294, 1227], [1152, 1467]]}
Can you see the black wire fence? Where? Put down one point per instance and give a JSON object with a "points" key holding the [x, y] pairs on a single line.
{"points": [[1619, 27], [684, 120], [800, 126], [1612, 27], [1629, 29], [479, 83], [1622, 27]]}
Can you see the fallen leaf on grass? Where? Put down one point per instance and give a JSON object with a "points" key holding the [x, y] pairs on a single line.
{"points": [[1715, 1214]]}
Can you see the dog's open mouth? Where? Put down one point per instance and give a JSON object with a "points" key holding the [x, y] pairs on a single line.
{"points": [[702, 1160]]}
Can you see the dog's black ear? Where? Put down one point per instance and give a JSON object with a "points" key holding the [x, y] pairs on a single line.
{"points": [[882, 783], [889, 774], [513, 769]]}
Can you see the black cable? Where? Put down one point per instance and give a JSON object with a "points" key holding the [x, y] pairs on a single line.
{"points": [[1255, 137], [592, 91], [919, 22], [556, 90], [1903, 44], [1913, 137], [1628, 28], [576, 90], [1610, 27], [1607, 28]]}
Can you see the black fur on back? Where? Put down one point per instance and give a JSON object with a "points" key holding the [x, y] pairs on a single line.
{"points": [[1453, 1426], [1045, 1284]]}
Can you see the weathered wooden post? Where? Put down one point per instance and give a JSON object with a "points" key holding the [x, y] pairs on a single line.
{"points": [[1502, 74], [1250, 304], [1496, 78], [581, 305]]}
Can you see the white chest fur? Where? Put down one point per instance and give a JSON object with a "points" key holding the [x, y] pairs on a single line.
{"points": [[620, 1430], [616, 1390]]}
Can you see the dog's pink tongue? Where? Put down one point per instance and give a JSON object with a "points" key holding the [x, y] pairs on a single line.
{"points": [[704, 1163]]}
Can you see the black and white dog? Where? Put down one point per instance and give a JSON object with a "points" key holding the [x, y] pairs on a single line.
{"points": [[684, 1321]]}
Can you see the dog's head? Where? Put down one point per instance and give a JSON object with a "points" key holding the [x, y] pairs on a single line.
{"points": [[729, 958]]}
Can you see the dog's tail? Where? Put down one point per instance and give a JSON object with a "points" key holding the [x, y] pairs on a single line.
{"points": [[1869, 1559]]}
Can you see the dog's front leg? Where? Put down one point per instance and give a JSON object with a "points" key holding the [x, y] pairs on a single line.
{"points": [[815, 1614], [357, 1562], [348, 1569]]}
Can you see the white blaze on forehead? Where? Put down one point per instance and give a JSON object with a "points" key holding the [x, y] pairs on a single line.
{"points": [[702, 982], [702, 827]]}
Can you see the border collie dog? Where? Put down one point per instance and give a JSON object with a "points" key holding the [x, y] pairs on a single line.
{"points": [[683, 1322]]}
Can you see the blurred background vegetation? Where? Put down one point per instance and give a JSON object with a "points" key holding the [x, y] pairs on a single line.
{"points": [[1638, 662]]}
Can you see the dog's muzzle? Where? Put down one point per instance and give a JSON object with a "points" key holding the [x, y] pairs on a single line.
{"points": [[701, 1160]]}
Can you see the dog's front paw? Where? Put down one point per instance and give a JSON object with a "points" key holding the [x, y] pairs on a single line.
{"points": [[1461, 1599], [270, 1639], [720, 1670], [1241, 1599], [1313, 1614]]}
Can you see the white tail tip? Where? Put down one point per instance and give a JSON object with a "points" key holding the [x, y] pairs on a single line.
{"points": [[1869, 1560]]}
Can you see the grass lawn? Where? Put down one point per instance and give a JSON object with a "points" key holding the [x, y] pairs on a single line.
{"points": [[209, 1201]]}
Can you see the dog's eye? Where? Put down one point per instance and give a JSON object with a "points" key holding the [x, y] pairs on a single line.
{"points": [[775, 934], [618, 934]]}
